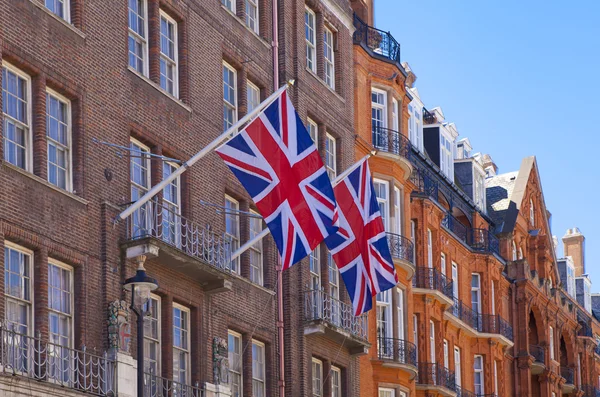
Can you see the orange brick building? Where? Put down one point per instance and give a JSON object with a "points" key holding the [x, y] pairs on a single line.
{"points": [[482, 306]]}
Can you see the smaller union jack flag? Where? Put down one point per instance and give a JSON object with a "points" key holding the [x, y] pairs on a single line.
{"points": [[360, 247], [277, 162]]}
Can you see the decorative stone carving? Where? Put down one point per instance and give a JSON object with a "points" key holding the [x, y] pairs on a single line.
{"points": [[220, 361], [119, 327]]}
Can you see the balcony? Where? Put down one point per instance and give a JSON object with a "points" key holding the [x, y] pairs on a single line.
{"points": [[155, 386], [568, 375], [460, 392], [377, 43], [463, 316], [480, 240], [77, 370], [335, 319], [590, 391], [435, 377], [156, 231], [394, 145], [585, 331], [403, 252], [398, 353], [428, 117], [429, 281], [480, 325], [538, 366]]}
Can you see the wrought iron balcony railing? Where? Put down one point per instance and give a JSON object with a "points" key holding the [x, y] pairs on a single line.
{"points": [[377, 41], [391, 141], [436, 375], [494, 324], [425, 183], [401, 247], [465, 314], [538, 353], [428, 117], [590, 391], [155, 386], [431, 278], [23, 355], [398, 350], [478, 239], [585, 330], [159, 221], [568, 374], [319, 305], [460, 392]]}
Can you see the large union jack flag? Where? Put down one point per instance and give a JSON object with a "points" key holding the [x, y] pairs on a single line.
{"points": [[360, 248], [277, 162]]}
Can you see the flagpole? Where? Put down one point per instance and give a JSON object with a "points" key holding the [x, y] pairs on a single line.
{"points": [[224, 137], [266, 231]]}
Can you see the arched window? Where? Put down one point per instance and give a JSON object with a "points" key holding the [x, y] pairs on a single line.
{"points": [[514, 251], [531, 213]]}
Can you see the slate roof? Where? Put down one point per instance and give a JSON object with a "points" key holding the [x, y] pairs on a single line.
{"points": [[498, 190]]}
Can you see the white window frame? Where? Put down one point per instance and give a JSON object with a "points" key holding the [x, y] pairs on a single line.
{"points": [[66, 9], [479, 190], [232, 107], [520, 253], [454, 280], [187, 352], [175, 61], [384, 314], [331, 156], [413, 235], [379, 124], [26, 126], [143, 40], [401, 312], [551, 344], [171, 216], [329, 57], [397, 211], [256, 269], [315, 268], [336, 381], [235, 238], [432, 342], [317, 377], [383, 201], [395, 124], [446, 358], [252, 95], [446, 155], [252, 4], [334, 289], [496, 389], [68, 147], [156, 317], [514, 251], [481, 389], [313, 131], [231, 6], [232, 361], [58, 313], [18, 300], [311, 40], [476, 292], [457, 366], [531, 213], [443, 263], [429, 249], [259, 384], [143, 214], [418, 128], [386, 392]]}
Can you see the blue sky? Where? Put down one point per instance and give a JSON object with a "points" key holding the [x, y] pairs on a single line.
{"points": [[519, 78]]}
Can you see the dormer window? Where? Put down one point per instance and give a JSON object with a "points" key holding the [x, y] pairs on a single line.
{"points": [[531, 213]]}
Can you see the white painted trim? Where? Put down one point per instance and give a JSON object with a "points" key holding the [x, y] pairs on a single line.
{"points": [[189, 347], [176, 51], [69, 181]]}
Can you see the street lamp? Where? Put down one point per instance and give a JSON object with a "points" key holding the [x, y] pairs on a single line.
{"points": [[140, 287]]}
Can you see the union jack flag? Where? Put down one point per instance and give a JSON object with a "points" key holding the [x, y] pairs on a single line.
{"points": [[277, 162], [360, 248]]}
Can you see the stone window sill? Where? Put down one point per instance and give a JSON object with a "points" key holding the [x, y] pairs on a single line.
{"points": [[59, 19], [338, 96], [260, 38], [159, 89]]}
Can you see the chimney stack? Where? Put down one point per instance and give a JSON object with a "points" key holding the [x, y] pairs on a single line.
{"points": [[574, 246]]}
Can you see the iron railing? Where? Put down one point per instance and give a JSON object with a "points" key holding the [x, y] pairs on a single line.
{"points": [[398, 350], [425, 183], [568, 374], [428, 117], [391, 141], [597, 349], [466, 314], [436, 375], [590, 391], [460, 392], [378, 41], [155, 386], [156, 220], [481, 240], [431, 278], [319, 305], [401, 247], [494, 324], [23, 355], [538, 353], [585, 330]]}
